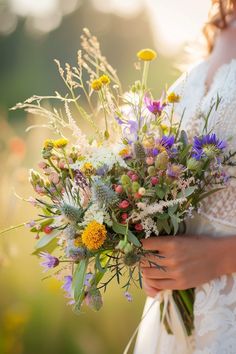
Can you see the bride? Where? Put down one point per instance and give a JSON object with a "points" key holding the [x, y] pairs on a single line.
{"points": [[205, 259]]}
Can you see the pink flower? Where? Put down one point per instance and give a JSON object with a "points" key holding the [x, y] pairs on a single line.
{"points": [[130, 174], [53, 177], [134, 177], [124, 204], [155, 107], [42, 164]]}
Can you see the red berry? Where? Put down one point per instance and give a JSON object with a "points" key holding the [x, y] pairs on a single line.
{"points": [[124, 204], [154, 181], [47, 229], [138, 227], [119, 189], [124, 216]]}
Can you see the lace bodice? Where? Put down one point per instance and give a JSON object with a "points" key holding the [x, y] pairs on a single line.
{"points": [[220, 207], [215, 301]]}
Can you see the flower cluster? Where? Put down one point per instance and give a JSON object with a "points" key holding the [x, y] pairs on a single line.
{"points": [[138, 177]]}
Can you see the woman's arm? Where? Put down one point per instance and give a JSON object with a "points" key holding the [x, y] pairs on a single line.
{"points": [[189, 261]]}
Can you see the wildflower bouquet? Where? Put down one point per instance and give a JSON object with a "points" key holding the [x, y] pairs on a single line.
{"points": [[98, 195]]}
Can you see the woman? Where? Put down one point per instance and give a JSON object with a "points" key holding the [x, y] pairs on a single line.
{"points": [[206, 258]]}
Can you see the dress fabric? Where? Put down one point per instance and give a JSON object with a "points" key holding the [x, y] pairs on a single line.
{"points": [[215, 301]]}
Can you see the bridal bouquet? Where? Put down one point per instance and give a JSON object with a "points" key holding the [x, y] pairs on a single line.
{"points": [[135, 175]]}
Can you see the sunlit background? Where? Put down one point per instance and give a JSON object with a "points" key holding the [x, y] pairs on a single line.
{"points": [[34, 317]]}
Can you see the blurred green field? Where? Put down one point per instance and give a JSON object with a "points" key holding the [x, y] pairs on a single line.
{"points": [[34, 317]]}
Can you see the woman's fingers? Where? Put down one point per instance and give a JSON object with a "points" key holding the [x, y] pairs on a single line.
{"points": [[150, 291], [163, 284], [158, 243], [154, 273]]}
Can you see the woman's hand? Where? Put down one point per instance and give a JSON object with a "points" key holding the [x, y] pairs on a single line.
{"points": [[189, 261]]}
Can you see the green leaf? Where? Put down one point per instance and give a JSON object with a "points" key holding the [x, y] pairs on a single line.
{"points": [[172, 209], [175, 222], [98, 264], [122, 230], [163, 216], [163, 224], [160, 192], [46, 239], [50, 247], [78, 282], [206, 194], [187, 192]]}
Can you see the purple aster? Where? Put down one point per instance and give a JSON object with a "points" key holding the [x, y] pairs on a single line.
{"points": [[155, 107], [49, 260], [207, 146]]}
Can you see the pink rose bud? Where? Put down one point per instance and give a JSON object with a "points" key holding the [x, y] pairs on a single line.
{"points": [[61, 164], [150, 160], [47, 229], [154, 181], [124, 216], [130, 174], [138, 227], [137, 195], [53, 177], [124, 204], [42, 164], [119, 189], [134, 177]]}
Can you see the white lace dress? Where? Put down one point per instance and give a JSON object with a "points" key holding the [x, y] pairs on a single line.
{"points": [[215, 303]]}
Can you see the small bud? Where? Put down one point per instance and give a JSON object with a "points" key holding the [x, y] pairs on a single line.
{"points": [[151, 171]]}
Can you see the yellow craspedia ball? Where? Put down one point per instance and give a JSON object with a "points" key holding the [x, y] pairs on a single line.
{"points": [[173, 98], [96, 85], [147, 54], [60, 143], [105, 80], [88, 169], [94, 235]]}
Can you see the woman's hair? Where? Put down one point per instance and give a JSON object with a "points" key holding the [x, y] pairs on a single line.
{"points": [[218, 19]]}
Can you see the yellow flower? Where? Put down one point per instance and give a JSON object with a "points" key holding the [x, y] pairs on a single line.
{"points": [[48, 144], [173, 98], [60, 143], [147, 54], [96, 84], [105, 80], [94, 235], [124, 152], [88, 169]]}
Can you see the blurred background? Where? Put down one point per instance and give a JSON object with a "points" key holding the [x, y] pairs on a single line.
{"points": [[34, 317]]}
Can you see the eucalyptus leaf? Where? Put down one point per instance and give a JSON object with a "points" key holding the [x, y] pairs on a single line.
{"points": [[187, 192], [207, 194], [122, 230], [46, 239]]}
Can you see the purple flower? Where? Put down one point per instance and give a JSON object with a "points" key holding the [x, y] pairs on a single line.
{"points": [[101, 171], [49, 260], [67, 286], [80, 179], [174, 170], [165, 143], [128, 296], [88, 276], [155, 107], [207, 146]]}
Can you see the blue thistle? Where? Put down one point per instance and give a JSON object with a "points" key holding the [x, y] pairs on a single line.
{"points": [[207, 146]]}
